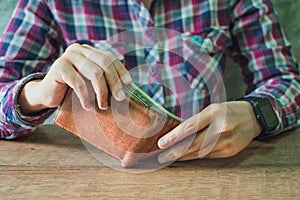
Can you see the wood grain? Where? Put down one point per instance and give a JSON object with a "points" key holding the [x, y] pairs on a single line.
{"points": [[51, 163]]}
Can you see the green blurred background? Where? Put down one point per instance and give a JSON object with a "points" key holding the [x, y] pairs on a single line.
{"points": [[289, 16]]}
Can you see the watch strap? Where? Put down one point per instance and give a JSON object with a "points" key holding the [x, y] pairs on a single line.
{"points": [[264, 113]]}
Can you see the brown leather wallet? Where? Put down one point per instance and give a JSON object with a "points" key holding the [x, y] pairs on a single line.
{"points": [[128, 130]]}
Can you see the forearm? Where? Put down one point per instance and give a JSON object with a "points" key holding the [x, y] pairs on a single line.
{"points": [[25, 48], [284, 93], [268, 66], [13, 122], [274, 74]]}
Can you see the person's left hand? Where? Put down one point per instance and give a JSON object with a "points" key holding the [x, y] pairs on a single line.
{"points": [[219, 131]]}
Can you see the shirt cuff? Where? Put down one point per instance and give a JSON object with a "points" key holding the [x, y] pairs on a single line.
{"points": [[32, 120]]}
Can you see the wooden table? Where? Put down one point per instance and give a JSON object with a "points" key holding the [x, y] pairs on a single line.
{"points": [[51, 163]]}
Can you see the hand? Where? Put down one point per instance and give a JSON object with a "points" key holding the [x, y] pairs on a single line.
{"points": [[219, 131], [77, 64]]}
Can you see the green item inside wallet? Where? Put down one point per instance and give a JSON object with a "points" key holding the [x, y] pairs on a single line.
{"points": [[134, 92]]}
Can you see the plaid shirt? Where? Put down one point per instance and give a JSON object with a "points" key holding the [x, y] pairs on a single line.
{"points": [[209, 30]]}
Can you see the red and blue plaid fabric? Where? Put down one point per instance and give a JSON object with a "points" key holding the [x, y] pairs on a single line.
{"points": [[246, 30]]}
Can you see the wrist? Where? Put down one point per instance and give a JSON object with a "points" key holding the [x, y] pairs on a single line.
{"points": [[29, 98], [257, 128], [264, 113]]}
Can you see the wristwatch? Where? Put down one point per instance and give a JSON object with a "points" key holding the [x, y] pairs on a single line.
{"points": [[264, 112]]}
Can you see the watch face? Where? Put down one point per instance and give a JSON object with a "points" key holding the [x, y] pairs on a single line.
{"points": [[269, 116]]}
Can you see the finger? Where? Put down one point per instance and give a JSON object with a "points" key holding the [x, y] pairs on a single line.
{"points": [[114, 84], [81, 58], [92, 72], [197, 154], [128, 159], [112, 59], [197, 143], [224, 148], [119, 67], [203, 145], [109, 64], [123, 73], [175, 151], [68, 75], [101, 93], [186, 128], [191, 156]]}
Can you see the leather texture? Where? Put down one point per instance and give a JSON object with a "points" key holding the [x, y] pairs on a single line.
{"points": [[128, 131]]}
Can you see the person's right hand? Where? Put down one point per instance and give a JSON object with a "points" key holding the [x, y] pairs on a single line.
{"points": [[77, 64]]}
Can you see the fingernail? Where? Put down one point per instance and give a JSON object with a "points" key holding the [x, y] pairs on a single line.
{"points": [[127, 160], [162, 142], [88, 107], [121, 95], [104, 106], [165, 142], [126, 78]]}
